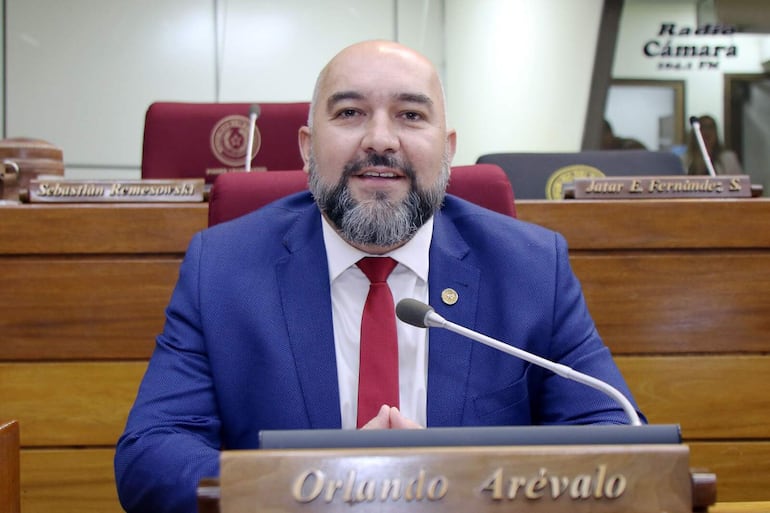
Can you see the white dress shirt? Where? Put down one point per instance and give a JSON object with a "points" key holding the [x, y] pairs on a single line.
{"points": [[349, 288]]}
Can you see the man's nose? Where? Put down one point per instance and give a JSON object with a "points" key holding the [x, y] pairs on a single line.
{"points": [[381, 135]]}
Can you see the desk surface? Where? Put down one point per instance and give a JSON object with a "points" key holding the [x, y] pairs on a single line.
{"points": [[740, 507]]}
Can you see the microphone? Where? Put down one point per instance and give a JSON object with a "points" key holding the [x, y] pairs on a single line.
{"points": [[253, 114], [421, 315], [695, 123]]}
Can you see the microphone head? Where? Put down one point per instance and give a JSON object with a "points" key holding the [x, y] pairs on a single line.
{"points": [[254, 110], [694, 120], [413, 312]]}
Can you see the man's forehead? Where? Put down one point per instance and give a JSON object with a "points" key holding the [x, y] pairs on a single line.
{"points": [[379, 72], [397, 85]]}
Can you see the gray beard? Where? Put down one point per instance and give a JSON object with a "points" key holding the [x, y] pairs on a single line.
{"points": [[377, 221]]}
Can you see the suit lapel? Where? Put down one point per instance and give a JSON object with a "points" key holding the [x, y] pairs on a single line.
{"points": [[303, 279], [449, 354]]}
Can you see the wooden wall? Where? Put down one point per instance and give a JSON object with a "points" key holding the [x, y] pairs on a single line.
{"points": [[84, 289], [680, 291]]}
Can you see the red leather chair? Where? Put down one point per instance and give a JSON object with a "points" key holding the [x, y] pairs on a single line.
{"points": [[236, 194], [485, 185], [203, 140]]}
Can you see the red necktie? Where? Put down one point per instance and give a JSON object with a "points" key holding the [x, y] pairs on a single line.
{"points": [[378, 364]]}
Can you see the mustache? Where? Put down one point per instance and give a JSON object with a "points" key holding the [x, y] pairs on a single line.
{"points": [[377, 160]]}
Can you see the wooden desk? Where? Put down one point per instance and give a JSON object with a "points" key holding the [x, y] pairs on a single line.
{"points": [[10, 501], [209, 495], [680, 291], [741, 507]]}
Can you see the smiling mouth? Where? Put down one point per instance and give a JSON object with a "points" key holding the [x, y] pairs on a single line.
{"points": [[379, 174]]}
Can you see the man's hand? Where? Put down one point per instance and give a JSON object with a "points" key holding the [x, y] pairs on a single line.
{"points": [[389, 417]]}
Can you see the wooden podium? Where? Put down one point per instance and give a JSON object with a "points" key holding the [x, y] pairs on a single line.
{"points": [[10, 493], [554, 479]]}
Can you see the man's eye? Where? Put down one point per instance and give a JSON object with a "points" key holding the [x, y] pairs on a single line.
{"points": [[413, 116], [347, 113]]}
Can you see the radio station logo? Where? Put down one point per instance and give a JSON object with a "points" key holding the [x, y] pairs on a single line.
{"points": [[683, 48], [229, 140]]}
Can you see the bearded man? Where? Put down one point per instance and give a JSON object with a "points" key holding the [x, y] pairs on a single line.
{"points": [[265, 329]]}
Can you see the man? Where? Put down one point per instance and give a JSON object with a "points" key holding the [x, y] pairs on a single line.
{"points": [[262, 331]]}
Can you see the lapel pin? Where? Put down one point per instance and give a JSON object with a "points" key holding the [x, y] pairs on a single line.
{"points": [[449, 296]]}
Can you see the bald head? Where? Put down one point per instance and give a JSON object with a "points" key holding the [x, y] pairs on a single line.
{"points": [[371, 54]]}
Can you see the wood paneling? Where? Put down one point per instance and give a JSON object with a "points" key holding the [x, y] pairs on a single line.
{"points": [[642, 304], [742, 468], [88, 229], [89, 401], [680, 291], [68, 481], [711, 397], [85, 308], [740, 507], [654, 224], [678, 302], [70, 403]]}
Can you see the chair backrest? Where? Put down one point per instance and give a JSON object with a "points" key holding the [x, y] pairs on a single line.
{"points": [[236, 194], [485, 185], [530, 173], [10, 491], [203, 140]]}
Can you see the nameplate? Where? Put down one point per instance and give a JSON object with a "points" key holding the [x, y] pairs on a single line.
{"points": [[552, 479], [660, 187], [113, 191]]}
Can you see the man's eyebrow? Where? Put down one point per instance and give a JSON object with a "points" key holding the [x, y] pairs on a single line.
{"points": [[342, 96], [423, 99]]}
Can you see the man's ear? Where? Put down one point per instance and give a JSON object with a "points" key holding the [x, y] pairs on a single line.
{"points": [[305, 142], [451, 144]]}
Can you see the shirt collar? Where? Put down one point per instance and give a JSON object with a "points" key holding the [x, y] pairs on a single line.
{"points": [[414, 254]]}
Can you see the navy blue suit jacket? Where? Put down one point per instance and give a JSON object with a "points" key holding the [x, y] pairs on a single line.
{"points": [[248, 342]]}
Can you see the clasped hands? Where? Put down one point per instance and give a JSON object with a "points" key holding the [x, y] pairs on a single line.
{"points": [[389, 417]]}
